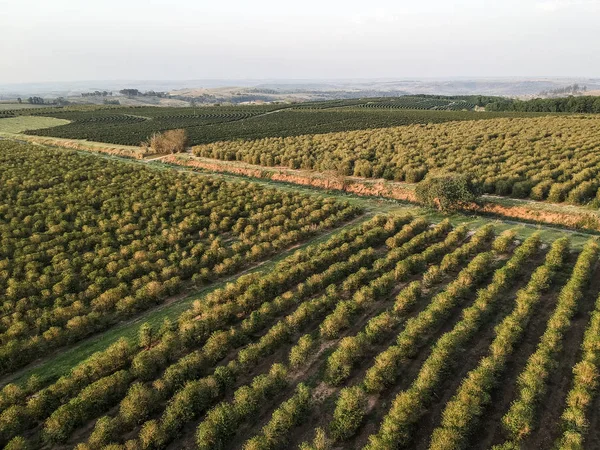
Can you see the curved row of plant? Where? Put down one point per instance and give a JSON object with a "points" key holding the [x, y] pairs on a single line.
{"points": [[219, 345], [284, 329], [410, 405], [308, 344], [351, 403], [354, 348], [219, 424]]}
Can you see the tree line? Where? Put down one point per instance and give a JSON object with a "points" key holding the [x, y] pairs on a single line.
{"points": [[580, 104]]}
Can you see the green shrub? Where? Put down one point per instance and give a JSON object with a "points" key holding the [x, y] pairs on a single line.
{"points": [[137, 404], [104, 432], [446, 192], [349, 412], [17, 443], [292, 412], [301, 351], [320, 441]]}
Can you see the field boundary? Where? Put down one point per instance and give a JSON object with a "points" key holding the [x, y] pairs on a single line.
{"points": [[568, 216], [126, 151], [565, 216]]}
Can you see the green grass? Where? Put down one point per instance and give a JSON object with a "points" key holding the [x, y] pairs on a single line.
{"points": [[542, 206], [13, 106], [524, 230], [23, 123]]}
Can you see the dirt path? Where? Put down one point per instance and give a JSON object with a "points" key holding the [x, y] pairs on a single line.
{"points": [[158, 158]]}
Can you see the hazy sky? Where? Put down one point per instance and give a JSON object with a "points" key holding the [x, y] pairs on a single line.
{"points": [[67, 40]]}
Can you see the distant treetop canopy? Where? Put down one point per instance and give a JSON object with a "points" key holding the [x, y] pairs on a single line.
{"points": [[582, 104]]}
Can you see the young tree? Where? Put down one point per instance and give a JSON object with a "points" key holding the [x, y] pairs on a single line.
{"points": [[145, 335], [349, 412]]}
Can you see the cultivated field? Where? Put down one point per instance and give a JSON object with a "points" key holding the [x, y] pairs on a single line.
{"points": [[208, 301], [395, 333], [130, 126], [17, 106], [20, 124], [544, 158], [87, 242]]}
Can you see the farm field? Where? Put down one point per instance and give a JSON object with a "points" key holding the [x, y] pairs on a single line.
{"points": [[519, 155], [19, 124], [566, 216], [208, 300], [351, 343], [17, 106], [552, 158], [87, 242], [131, 126], [329, 226]]}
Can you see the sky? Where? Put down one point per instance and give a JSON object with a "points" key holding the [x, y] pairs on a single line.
{"points": [[70, 40]]}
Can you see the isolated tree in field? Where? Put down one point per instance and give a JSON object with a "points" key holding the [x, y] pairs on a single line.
{"points": [[170, 141], [446, 192]]}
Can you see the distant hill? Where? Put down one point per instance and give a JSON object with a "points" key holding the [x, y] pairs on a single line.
{"points": [[240, 91]]}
